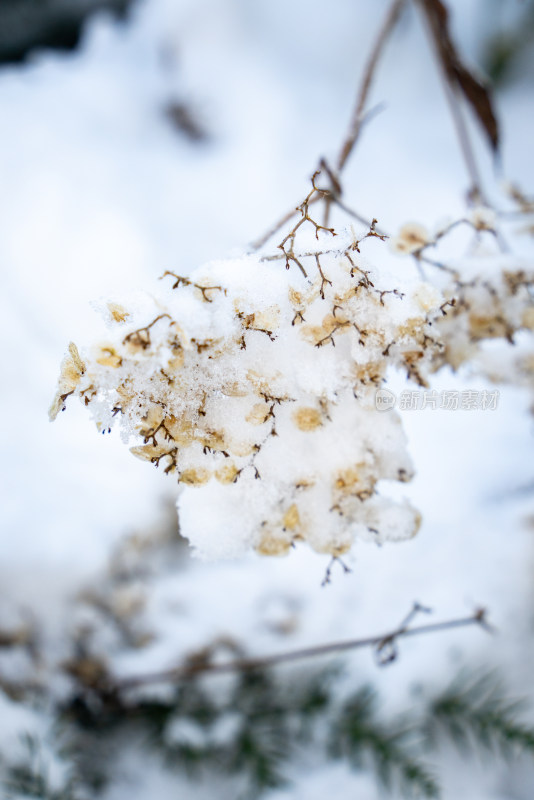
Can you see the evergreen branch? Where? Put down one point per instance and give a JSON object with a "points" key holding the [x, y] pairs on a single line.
{"points": [[475, 711], [30, 777], [268, 716], [358, 735]]}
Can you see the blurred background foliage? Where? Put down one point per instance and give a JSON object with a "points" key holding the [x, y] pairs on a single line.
{"points": [[507, 46], [26, 25], [505, 50]]}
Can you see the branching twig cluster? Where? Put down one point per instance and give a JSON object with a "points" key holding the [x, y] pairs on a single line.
{"points": [[287, 245]]}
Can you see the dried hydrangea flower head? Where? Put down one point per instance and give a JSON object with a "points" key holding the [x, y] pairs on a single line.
{"points": [[411, 238], [255, 387]]}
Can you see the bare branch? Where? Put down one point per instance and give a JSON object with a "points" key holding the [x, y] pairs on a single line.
{"points": [[380, 643], [358, 116], [457, 79], [258, 244]]}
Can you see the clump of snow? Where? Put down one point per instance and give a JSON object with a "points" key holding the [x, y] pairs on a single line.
{"points": [[256, 386]]}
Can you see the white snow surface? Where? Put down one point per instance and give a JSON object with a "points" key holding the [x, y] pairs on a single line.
{"points": [[99, 196]]}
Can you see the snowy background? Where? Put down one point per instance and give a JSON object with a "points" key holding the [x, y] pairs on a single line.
{"points": [[100, 193]]}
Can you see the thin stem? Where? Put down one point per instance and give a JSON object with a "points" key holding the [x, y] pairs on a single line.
{"points": [[312, 254], [459, 122], [246, 664], [358, 116], [464, 141], [355, 215], [258, 243]]}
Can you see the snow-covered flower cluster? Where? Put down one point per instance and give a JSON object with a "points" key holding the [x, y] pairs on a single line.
{"points": [[493, 302], [255, 386]]}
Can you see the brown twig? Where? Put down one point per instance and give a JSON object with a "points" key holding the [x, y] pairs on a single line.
{"points": [[324, 279], [287, 245], [395, 292], [181, 281], [358, 217], [150, 433], [256, 245], [373, 232], [141, 336], [245, 664], [475, 193], [330, 336], [172, 454], [434, 27], [310, 254], [328, 574], [358, 115]]}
